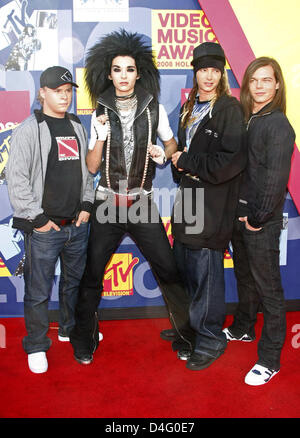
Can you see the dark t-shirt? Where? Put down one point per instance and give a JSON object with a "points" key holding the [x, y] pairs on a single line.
{"points": [[61, 199]]}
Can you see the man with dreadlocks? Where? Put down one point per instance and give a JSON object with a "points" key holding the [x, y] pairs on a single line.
{"points": [[211, 157], [123, 84]]}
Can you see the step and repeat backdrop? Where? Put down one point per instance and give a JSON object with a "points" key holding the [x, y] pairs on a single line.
{"points": [[35, 35]]}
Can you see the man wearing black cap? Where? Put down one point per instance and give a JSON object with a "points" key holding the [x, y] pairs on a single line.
{"points": [[208, 165], [51, 192]]}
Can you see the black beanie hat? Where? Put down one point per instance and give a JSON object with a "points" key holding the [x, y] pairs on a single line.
{"points": [[208, 55]]}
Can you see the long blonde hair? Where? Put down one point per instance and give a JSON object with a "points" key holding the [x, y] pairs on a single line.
{"points": [[222, 88]]}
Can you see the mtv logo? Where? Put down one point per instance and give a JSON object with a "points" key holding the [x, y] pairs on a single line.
{"points": [[167, 224], [10, 239], [4, 272], [83, 101], [228, 262], [13, 18], [118, 276]]}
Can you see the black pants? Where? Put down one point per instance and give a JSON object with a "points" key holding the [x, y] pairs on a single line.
{"points": [[154, 244], [257, 270]]}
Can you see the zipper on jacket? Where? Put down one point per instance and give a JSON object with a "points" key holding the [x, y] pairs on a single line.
{"points": [[255, 116]]}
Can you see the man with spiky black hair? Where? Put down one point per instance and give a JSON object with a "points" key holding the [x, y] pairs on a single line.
{"points": [[123, 83]]}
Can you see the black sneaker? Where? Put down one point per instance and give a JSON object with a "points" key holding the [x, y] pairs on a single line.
{"points": [[83, 358], [184, 354], [199, 361], [231, 337], [168, 334]]}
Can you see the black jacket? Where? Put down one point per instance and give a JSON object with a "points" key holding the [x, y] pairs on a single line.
{"points": [[214, 162], [117, 167], [270, 139]]}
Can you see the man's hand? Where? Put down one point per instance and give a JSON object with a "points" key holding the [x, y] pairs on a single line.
{"points": [[245, 219], [175, 158], [48, 227], [157, 154], [83, 217], [100, 126]]}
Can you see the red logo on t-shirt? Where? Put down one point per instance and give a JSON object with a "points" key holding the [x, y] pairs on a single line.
{"points": [[67, 148]]}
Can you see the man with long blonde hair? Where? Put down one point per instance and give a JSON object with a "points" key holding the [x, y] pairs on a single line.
{"points": [[211, 157], [259, 217]]}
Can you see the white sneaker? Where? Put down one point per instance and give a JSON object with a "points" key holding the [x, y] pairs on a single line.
{"points": [[259, 375], [67, 339], [37, 362], [231, 337], [63, 338]]}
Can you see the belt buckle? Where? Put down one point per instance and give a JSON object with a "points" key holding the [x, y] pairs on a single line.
{"points": [[122, 200], [65, 222]]}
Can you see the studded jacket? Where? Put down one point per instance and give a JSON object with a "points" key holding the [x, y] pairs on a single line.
{"points": [[146, 118]]}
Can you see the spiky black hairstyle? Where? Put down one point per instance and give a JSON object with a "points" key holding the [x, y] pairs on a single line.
{"points": [[122, 43]]}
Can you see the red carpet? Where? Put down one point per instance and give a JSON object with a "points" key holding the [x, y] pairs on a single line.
{"points": [[135, 374]]}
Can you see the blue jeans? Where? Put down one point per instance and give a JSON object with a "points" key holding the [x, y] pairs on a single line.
{"points": [[203, 273], [257, 271], [42, 251]]}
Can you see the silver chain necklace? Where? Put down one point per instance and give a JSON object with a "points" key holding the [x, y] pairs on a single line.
{"points": [[126, 104]]}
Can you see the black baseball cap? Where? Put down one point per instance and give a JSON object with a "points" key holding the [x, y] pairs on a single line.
{"points": [[56, 76]]}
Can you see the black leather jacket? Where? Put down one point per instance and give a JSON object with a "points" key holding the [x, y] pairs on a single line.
{"points": [[117, 167]]}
